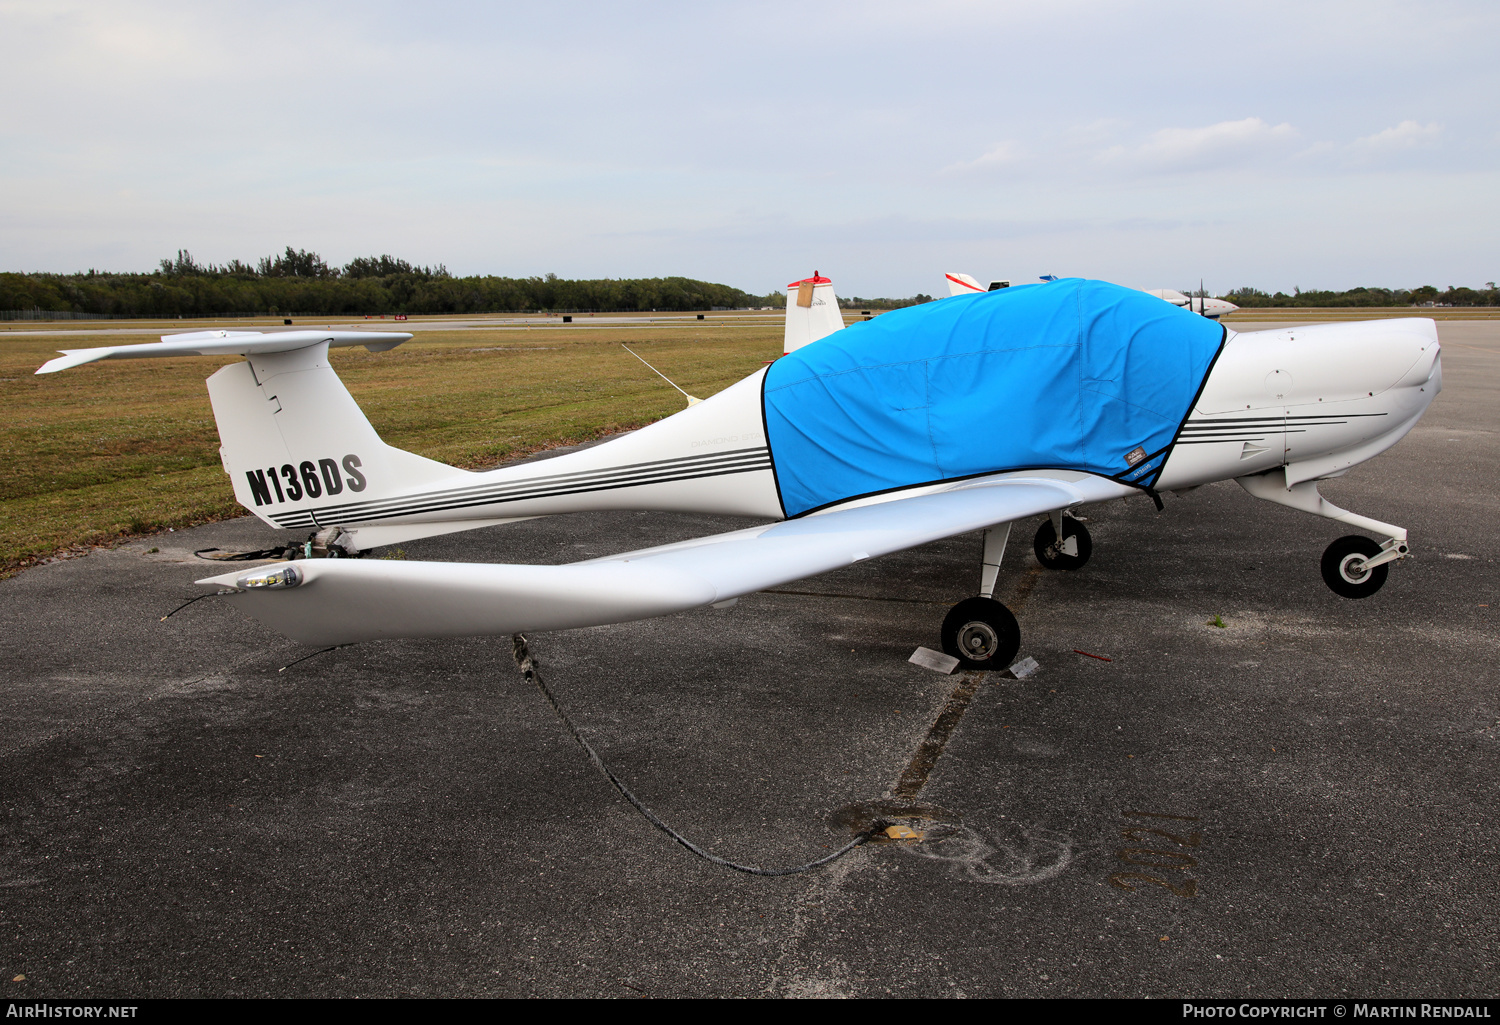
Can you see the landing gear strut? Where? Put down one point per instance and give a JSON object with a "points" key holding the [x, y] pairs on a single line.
{"points": [[981, 632]]}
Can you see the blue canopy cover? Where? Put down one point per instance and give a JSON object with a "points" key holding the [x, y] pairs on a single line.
{"points": [[1071, 374]]}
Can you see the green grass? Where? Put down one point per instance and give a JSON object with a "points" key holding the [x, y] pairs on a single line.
{"points": [[121, 448]]}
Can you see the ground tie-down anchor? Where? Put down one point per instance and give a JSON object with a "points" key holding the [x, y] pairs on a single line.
{"points": [[895, 820]]}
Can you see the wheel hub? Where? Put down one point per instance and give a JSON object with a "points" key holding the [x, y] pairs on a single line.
{"points": [[1353, 569], [978, 640]]}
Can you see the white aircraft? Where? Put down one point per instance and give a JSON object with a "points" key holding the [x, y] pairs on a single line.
{"points": [[1202, 305], [964, 284], [921, 424]]}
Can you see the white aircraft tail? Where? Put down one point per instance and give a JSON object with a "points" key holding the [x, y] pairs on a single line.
{"points": [[962, 284], [812, 312], [293, 438]]}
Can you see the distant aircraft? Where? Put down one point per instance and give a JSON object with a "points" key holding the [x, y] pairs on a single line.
{"points": [[924, 423], [1203, 305], [963, 284]]}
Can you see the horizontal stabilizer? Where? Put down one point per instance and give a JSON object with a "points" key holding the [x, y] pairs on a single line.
{"points": [[226, 343], [340, 601]]}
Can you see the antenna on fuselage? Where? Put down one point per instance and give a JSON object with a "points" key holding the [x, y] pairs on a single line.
{"points": [[692, 401]]}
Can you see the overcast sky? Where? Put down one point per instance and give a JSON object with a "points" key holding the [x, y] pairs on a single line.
{"points": [[1268, 144]]}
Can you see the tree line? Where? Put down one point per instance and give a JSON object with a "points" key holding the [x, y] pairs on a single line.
{"points": [[302, 282], [1251, 298], [297, 281]]}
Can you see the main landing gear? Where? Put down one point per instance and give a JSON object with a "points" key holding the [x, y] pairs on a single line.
{"points": [[981, 632], [1353, 566], [1071, 552]]}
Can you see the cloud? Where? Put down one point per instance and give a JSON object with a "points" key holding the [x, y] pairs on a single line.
{"points": [[1002, 154], [1400, 146], [1405, 136], [1193, 149]]}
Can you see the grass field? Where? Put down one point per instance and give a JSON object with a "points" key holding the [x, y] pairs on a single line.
{"points": [[124, 447]]}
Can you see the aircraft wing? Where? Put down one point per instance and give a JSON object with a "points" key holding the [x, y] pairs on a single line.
{"points": [[337, 601]]}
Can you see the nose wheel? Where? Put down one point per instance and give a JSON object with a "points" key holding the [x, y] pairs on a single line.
{"points": [[1346, 567], [982, 634]]}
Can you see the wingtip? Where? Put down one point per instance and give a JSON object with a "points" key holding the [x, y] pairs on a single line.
{"points": [[71, 358]]}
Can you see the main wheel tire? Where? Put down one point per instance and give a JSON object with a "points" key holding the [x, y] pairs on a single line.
{"points": [[982, 634], [1343, 573], [1050, 554]]}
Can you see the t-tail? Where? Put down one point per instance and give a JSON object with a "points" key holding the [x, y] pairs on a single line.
{"points": [[291, 437], [812, 312], [293, 440]]}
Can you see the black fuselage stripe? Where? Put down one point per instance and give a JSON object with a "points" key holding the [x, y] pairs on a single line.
{"points": [[447, 500], [438, 505], [530, 488], [1289, 416], [1229, 435], [513, 491], [1229, 426], [501, 489]]}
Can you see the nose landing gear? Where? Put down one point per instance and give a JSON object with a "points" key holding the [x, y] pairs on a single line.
{"points": [[1353, 566], [1356, 567]]}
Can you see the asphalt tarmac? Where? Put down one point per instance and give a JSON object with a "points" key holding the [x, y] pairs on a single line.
{"points": [[1300, 802]]}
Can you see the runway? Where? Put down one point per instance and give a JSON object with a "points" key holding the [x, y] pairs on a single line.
{"points": [[416, 327], [1298, 803]]}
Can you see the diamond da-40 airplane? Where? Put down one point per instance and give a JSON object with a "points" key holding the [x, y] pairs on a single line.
{"points": [[969, 414]]}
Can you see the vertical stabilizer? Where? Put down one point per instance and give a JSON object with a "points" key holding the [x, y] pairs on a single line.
{"points": [[291, 435], [812, 312], [962, 284]]}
